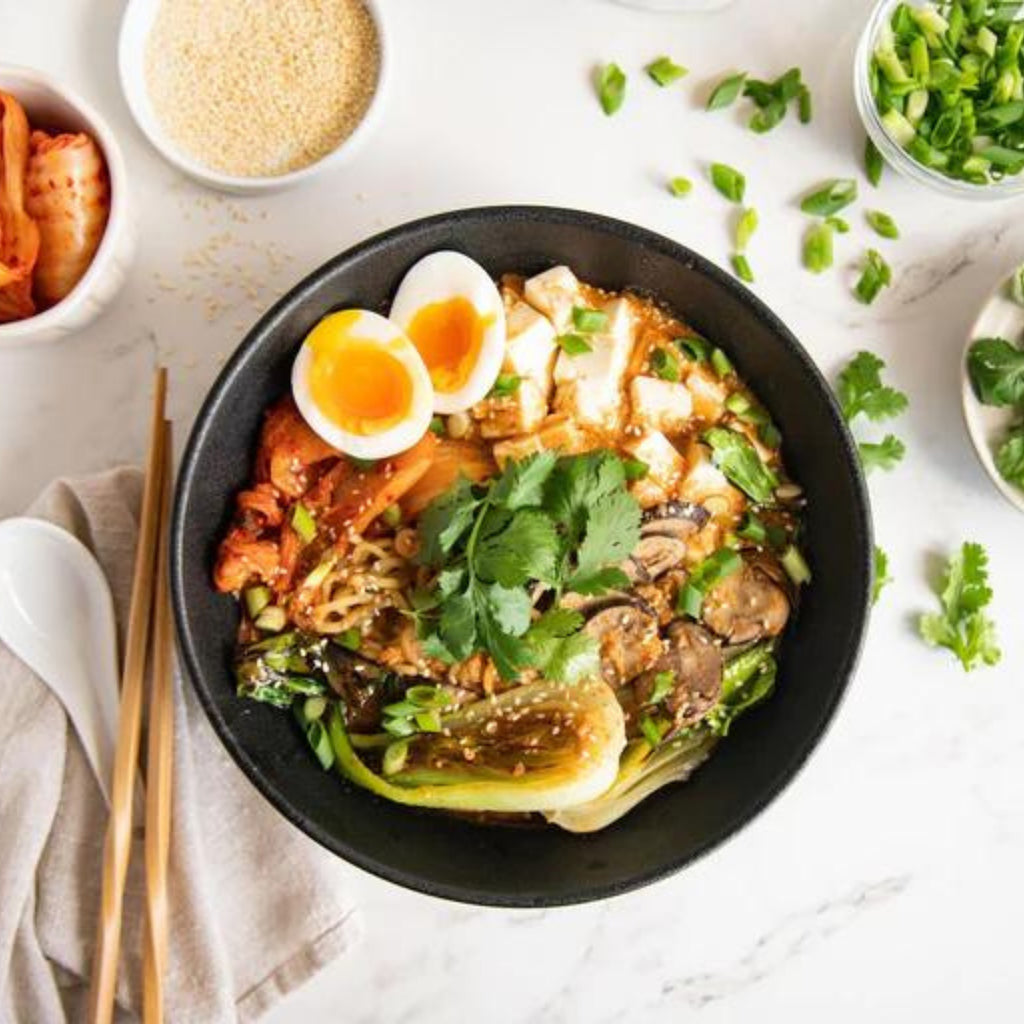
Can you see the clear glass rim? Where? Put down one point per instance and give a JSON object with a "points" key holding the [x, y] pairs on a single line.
{"points": [[895, 155]]}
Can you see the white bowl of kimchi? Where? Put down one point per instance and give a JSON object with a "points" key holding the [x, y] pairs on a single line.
{"points": [[64, 200]]}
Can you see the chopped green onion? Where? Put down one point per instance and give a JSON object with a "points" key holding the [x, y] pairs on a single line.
{"points": [[818, 249], [875, 276], [317, 737], [313, 708], [690, 601], [664, 365], [873, 163], [737, 403], [400, 709], [391, 516], [272, 619], [726, 92], [830, 198], [840, 226], [650, 730], [665, 71], [437, 426], [256, 599], [664, 684], [795, 565], [770, 435], [319, 573], [636, 469], [430, 698], [1017, 286], [729, 182], [882, 224], [745, 228], [695, 348], [303, 523], [753, 529], [351, 639], [611, 88], [573, 344], [399, 727], [765, 119], [680, 186], [589, 321], [804, 105], [741, 266], [506, 385], [715, 568], [720, 363], [428, 721], [395, 756]]}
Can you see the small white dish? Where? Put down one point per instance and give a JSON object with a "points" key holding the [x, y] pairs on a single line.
{"points": [[55, 107], [136, 23], [1000, 317]]}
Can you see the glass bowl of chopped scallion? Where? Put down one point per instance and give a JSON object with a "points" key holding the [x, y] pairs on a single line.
{"points": [[940, 89]]}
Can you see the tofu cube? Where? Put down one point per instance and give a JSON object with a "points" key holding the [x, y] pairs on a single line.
{"points": [[530, 346], [705, 484], [707, 393], [557, 434], [554, 293], [512, 414], [660, 404], [589, 385], [665, 468]]}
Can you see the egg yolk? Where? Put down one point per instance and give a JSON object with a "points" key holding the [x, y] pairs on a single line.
{"points": [[449, 336], [357, 384]]}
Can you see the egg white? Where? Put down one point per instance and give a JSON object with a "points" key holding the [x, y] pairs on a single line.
{"points": [[447, 275], [369, 327]]}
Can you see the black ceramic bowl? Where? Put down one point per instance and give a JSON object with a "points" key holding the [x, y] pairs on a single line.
{"points": [[446, 856]]}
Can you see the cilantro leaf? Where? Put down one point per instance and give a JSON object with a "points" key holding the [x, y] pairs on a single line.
{"points": [[737, 458], [522, 483], [599, 581], [559, 649], [1010, 456], [457, 626], [444, 521], [509, 607], [509, 653], [883, 455], [861, 390], [996, 369], [527, 548], [882, 579], [962, 625], [612, 532]]}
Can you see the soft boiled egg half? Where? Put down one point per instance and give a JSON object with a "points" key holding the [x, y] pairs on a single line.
{"points": [[361, 385], [451, 310]]}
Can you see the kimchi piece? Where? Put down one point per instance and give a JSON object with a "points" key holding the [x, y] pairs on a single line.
{"points": [[68, 196], [19, 236]]}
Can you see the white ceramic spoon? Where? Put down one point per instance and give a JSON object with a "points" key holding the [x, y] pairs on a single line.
{"points": [[57, 615]]}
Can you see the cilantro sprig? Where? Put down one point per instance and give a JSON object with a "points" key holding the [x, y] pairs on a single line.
{"points": [[563, 522], [862, 393], [962, 625]]}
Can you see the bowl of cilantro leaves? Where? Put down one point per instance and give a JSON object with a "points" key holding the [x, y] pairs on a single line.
{"points": [[457, 857]]}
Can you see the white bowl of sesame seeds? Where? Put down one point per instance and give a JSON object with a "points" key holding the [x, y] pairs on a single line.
{"points": [[257, 96]]}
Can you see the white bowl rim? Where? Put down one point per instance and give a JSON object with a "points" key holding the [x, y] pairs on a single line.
{"points": [[970, 403], [104, 137], [150, 126]]}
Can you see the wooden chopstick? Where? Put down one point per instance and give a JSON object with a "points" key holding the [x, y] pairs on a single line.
{"points": [[117, 847], [159, 773]]}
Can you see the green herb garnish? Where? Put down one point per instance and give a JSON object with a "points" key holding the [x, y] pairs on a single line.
{"points": [[564, 522], [818, 248], [611, 88], [745, 228], [962, 625], [664, 71], [882, 455], [741, 266], [738, 460], [881, 578], [507, 384], [589, 321], [1010, 456], [840, 226], [873, 163], [665, 365], [303, 523], [729, 182], [718, 566], [573, 344], [727, 91], [996, 370], [875, 275], [862, 393], [680, 186], [830, 198], [882, 224], [773, 98], [664, 684]]}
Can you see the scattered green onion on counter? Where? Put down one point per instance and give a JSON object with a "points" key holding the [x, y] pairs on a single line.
{"points": [[818, 248], [873, 163], [664, 71], [680, 186], [611, 88], [830, 197], [745, 228], [876, 274], [882, 224], [729, 182], [882, 579], [727, 91], [742, 268]]}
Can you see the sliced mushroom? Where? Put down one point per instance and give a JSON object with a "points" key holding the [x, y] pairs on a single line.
{"points": [[654, 555], [696, 663], [747, 606], [680, 519], [627, 634]]}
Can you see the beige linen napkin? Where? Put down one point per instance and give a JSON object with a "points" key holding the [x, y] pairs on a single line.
{"points": [[256, 907]]}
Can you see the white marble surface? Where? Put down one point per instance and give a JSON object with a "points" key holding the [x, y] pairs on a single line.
{"points": [[885, 883]]}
